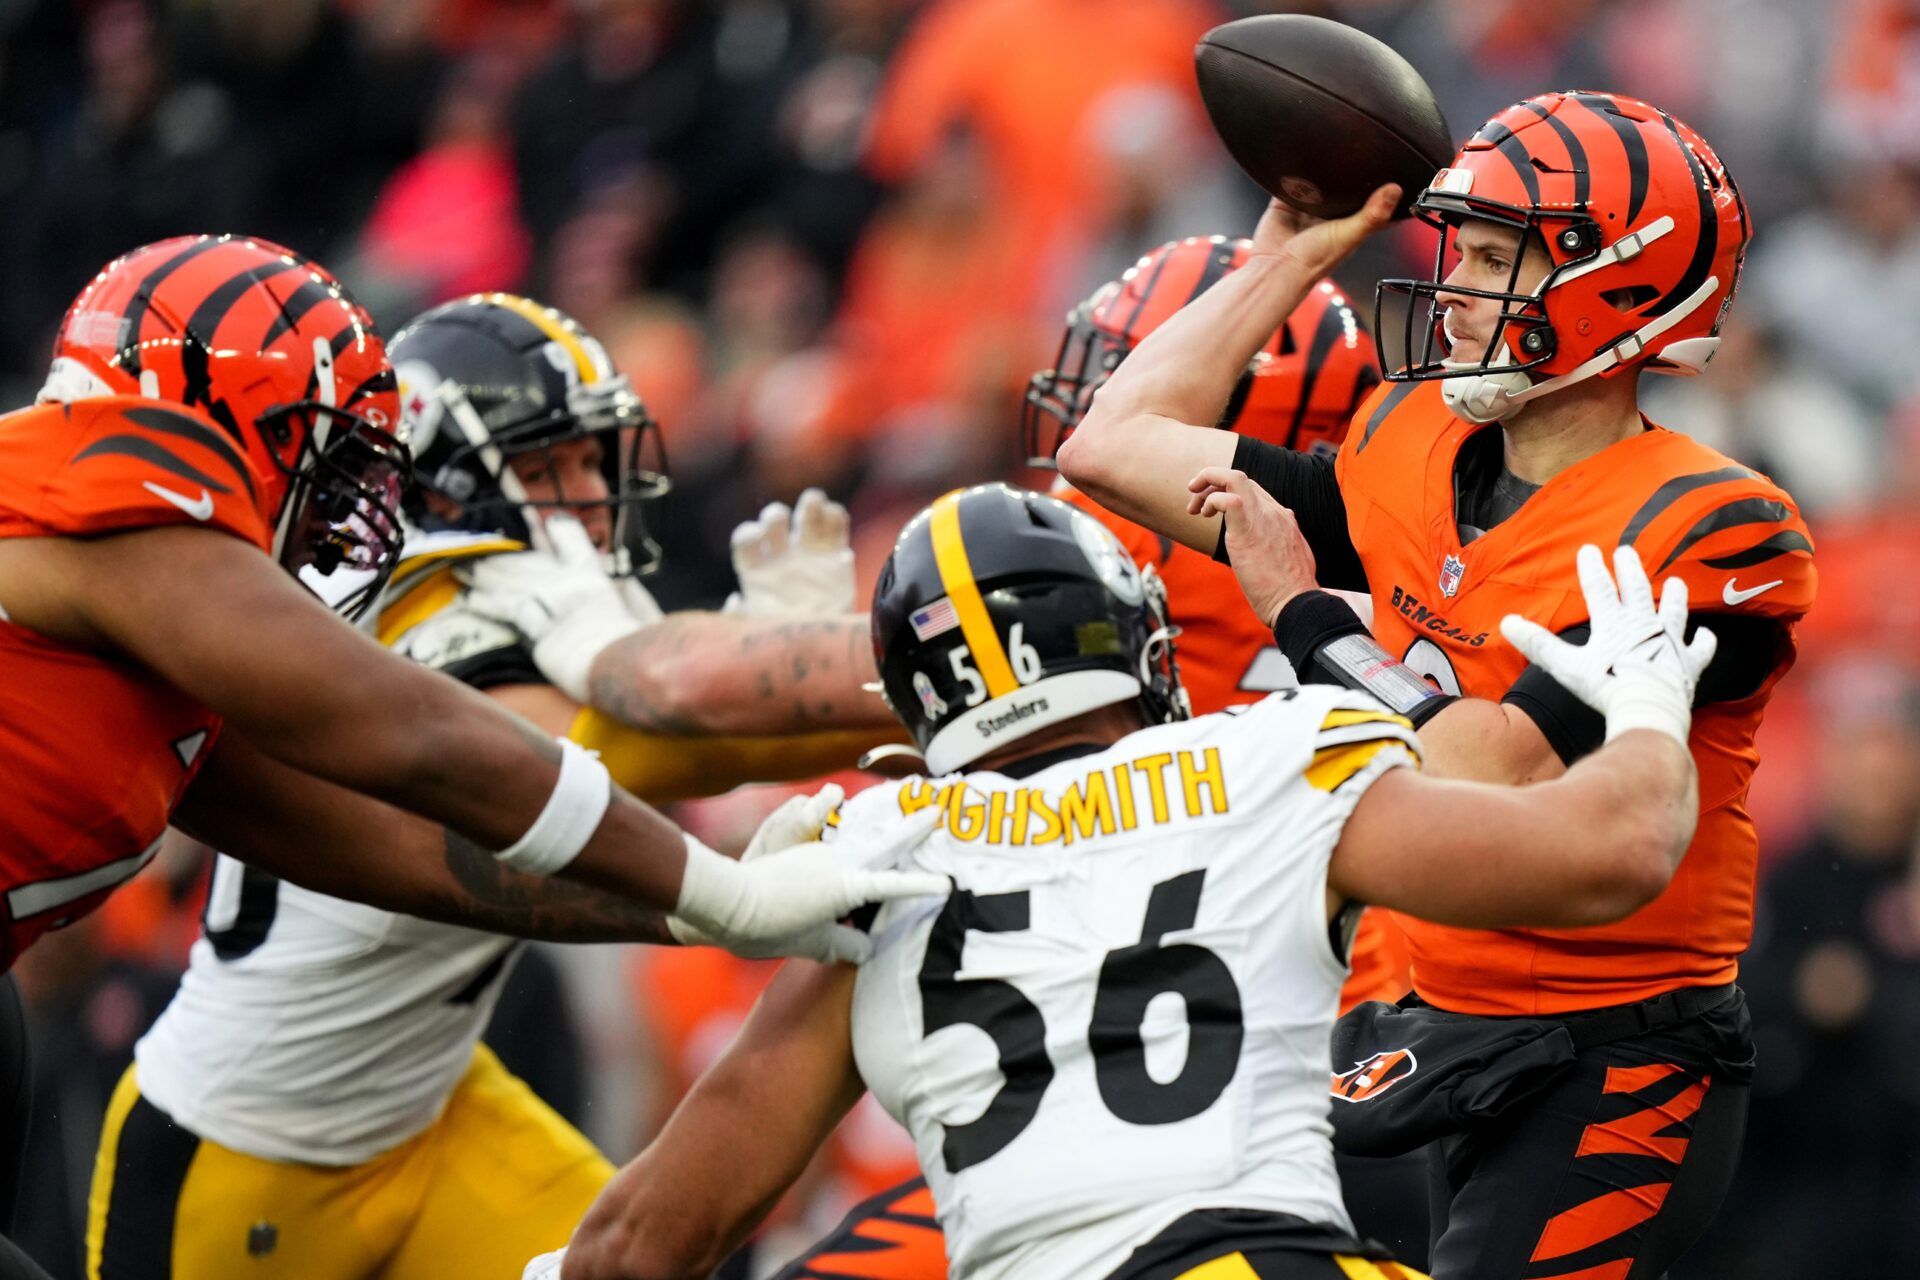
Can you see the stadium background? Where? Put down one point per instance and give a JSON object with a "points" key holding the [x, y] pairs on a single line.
{"points": [[829, 239]]}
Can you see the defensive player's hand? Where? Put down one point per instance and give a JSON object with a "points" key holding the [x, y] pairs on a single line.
{"points": [[563, 603], [794, 563], [546, 1266], [1637, 667], [787, 899], [1270, 555]]}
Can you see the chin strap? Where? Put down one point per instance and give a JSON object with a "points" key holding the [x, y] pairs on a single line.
{"points": [[1493, 397]]}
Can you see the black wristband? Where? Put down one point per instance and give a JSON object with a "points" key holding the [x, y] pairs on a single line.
{"points": [[1307, 622], [1431, 707]]}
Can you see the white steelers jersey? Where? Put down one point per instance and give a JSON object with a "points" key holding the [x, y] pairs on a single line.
{"points": [[312, 1029], [1121, 1013]]}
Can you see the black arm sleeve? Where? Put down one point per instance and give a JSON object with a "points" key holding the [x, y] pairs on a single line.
{"points": [[1749, 648], [1304, 484]]}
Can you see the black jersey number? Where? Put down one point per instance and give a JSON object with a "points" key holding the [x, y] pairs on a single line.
{"points": [[1130, 978], [258, 901]]}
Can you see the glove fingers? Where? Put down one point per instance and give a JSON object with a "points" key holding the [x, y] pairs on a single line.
{"points": [[819, 523], [843, 944], [885, 886], [819, 806], [1596, 584], [1636, 593], [1701, 650], [1535, 643], [1673, 608], [572, 544], [777, 517]]}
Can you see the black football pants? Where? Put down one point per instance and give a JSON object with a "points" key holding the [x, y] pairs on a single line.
{"points": [[1609, 1173]]}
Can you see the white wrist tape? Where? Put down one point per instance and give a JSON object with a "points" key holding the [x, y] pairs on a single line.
{"points": [[573, 813], [1643, 701]]}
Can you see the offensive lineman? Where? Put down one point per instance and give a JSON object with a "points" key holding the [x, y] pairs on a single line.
{"points": [[315, 1102], [1110, 1040], [1585, 238]]}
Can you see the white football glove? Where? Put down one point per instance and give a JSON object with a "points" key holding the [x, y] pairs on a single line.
{"points": [[787, 894], [563, 603], [794, 563], [1636, 667], [546, 1266]]}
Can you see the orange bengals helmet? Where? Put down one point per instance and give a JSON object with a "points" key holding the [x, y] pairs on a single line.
{"points": [[1643, 227], [269, 346], [1299, 391]]}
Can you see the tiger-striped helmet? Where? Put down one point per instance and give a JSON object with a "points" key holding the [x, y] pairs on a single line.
{"points": [[1299, 391], [1644, 232], [269, 346]]}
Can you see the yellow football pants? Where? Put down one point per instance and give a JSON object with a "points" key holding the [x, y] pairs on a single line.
{"points": [[499, 1178], [1289, 1266]]}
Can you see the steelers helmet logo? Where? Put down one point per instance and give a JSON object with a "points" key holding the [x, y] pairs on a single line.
{"points": [[1108, 558], [420, 404]]}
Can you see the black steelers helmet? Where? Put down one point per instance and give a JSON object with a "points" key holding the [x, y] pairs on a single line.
{"points": [[493, 376], [1002, 611]]}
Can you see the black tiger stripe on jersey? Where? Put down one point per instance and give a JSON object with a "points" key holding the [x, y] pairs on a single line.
{"points": [[167, 422], [1325, 334], [1671, 492], [1388, 403], [1785, 542], [1732, 516], [150, 451]]}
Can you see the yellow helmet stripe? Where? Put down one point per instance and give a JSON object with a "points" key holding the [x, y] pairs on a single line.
{"points": [[542, 319], [956, 575]]}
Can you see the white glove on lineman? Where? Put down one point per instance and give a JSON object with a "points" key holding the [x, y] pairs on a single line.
{"points": [[794, 563], [564, 603], [788, 891], [1636, 667], [545, 1267]]}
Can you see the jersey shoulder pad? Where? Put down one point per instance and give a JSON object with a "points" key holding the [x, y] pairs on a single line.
{"points": [[1732, 535], [123, 462], [474, 650], [1325, 733]]}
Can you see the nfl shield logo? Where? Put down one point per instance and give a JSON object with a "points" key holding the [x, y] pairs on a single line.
{"points": [[1450, 571]]}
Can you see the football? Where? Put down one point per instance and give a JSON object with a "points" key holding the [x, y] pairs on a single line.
{"points": [[1318, 113]]}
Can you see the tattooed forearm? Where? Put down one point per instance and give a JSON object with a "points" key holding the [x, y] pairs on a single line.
{"points": [[707, 673], [505, 901]]}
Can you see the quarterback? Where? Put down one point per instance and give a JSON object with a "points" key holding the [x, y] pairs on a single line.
{"points": [[1585, 238], [217, 404], [315, 1102], [1110, 1039]]}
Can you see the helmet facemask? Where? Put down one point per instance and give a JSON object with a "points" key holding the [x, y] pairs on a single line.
{"points": [[633, 461], [1058, 398], [341, 513]]}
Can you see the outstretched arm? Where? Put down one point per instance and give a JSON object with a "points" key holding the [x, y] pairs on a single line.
{"points": [[1136, 448], [339, 842], [722, 673], [735, 1144]]}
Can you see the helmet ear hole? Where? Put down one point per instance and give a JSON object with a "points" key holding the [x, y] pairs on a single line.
{"points": [[1630, 298]]}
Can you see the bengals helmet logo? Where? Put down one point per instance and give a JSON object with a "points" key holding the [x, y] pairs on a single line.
{"points": [[1375, 1076]]}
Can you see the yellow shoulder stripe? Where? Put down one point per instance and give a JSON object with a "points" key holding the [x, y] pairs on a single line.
{"points": [[428, 595], [1340, 718], [1334, 766], [410, 566]]}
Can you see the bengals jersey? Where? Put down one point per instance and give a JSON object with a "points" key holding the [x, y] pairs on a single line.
{"points": [[1730, 534], [97, 750], [1227, 658]]}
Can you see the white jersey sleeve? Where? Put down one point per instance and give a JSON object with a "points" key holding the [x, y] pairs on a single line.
{"points": [[1121, 1013]]}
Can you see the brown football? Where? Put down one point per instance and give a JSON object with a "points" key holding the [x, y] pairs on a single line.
{"points": [[1318, 113]]}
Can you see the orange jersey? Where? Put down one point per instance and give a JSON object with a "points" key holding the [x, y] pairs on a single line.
{"points": [[1227, 657], [96, 750], [1739, 544]]}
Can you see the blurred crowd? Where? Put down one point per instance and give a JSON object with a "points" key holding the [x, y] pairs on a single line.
{"points": [[829, 240]]}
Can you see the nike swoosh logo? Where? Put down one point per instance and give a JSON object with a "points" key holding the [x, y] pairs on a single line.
{"points": [[200, 508], [1733, 597]]}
